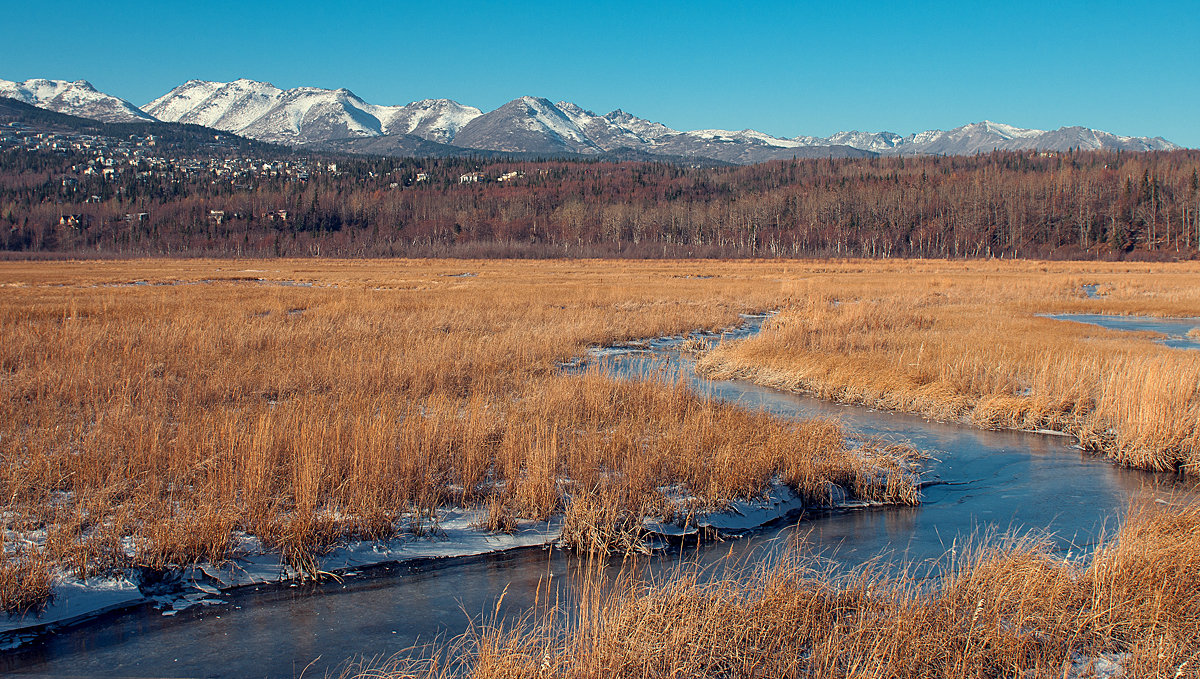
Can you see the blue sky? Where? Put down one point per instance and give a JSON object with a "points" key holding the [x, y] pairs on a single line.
{"points": [[782, 68]]}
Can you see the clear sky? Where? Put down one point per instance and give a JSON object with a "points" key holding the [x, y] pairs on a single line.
{"points": [[783, 68]]}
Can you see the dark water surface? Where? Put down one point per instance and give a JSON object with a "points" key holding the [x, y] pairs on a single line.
{"points": [[985, 480]]}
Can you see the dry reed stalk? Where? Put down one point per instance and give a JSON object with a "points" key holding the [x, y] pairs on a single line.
{"points": [[1008, 607], [25, 581]]}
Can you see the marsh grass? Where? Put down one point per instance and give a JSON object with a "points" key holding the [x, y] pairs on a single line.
{"points": [[1011, 607], [163, 424], [25, 581], [968, 346], [171, 423]]}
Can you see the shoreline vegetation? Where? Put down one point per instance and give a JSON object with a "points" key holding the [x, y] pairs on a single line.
{"points": [[158, 414], [971, 348], [1009, 606]]}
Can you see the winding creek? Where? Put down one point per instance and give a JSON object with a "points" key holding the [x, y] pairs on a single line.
{"points": [[978, 481]]}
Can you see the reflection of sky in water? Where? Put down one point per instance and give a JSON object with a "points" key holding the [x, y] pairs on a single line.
{"points": [[994, 481], [1175, 329]]}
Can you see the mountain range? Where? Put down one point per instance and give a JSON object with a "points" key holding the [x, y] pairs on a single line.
{"points": [[339, 120]]}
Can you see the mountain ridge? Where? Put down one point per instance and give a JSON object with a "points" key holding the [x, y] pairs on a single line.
{"points": [[78, 97], [312, 116]]}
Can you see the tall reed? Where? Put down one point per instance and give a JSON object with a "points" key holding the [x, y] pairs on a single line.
{"points": [[1007, 608]]}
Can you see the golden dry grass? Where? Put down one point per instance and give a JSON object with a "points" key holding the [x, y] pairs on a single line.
{"points": [[151, 424], [963, 342], [1012, 610]]}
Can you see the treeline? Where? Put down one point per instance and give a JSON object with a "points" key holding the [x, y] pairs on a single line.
{"points": [[1064, 205]]}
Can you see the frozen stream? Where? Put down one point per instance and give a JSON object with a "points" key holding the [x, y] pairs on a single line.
{"points": [[982, 480], [1175, 330]]}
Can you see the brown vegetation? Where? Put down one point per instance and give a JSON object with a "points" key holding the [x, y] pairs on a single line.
{"points": [[153, 424], [1015, 610], [152, 413], [963, 343]]}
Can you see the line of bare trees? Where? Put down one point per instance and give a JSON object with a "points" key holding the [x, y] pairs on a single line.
{"points": [[1074, 204]]}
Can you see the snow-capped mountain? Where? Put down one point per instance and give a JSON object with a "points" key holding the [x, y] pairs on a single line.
{"points": [[78, 98], [534, 125], [987, 136], [311, 115], [304, 114], [527, 124], [877, 142], [225, 106], [433, 119], [748, 146], [617, 129]]}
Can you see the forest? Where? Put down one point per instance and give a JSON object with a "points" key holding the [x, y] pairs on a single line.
{"points": [[1071, 205]]}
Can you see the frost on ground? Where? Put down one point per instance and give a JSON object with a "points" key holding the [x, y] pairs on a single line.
{"points": [[78, 600], [456, 535], [739, 516], [1103, 666]]}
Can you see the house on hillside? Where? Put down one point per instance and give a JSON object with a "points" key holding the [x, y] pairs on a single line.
{"points": [[470, 178]]}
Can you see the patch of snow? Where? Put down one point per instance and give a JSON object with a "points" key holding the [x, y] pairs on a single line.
{"points": [[745, 136], [1103, 666], [77, 600], [778, 502], [200, 585]]}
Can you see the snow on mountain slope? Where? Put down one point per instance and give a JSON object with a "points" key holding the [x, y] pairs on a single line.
{"points": [[984, 137], [615, 130], [78, 98], [745, 137], [878, 142], [639, 126], [225, 106], [433, 119], [528, 125], [305, 114], [987, 136]]}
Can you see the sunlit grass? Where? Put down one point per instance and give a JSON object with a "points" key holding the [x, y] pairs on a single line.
{"points": [[1011, 607], [153, 412], [968, 346]]}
